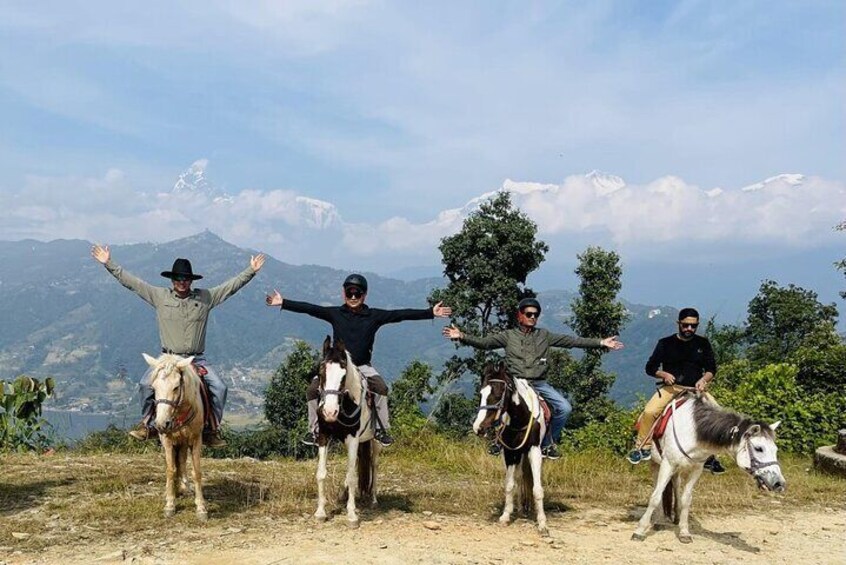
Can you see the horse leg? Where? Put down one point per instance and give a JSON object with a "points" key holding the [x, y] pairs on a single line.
{"points": [[197, 475], [665, 475], [683, 506], [536, 461], [320, 515], [509, 494], [375, 447], [351, 480], [182, 468], [170, 475]]}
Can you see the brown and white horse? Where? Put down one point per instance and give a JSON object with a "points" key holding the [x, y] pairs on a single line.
{"points": [[345, 415], [514, 406], [695, 431], [179, 421]]}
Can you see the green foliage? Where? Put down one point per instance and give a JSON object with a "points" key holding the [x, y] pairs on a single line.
{"points": [[782, 319], [21, 425], [841, 265], [454, 414], [413, 386], [264, 442], [614, 433], [726, 340], [822, 368], [114, 440], [487, 263], [285, 398], [808, 420]]}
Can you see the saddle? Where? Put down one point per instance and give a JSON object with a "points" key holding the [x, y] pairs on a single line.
{"points": [[661, 424], [547, 412], [209, 420]]}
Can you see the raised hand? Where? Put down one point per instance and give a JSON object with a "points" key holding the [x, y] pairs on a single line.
{"points": [[612, 343], [452, 332], [256, 261], [274, 299], [101, 253], [441, 311]]}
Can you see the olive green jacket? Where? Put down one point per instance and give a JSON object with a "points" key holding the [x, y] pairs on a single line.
{"points": [[526, 353], [182, 321]]}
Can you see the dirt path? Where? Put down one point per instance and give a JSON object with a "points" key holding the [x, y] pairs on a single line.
{"points": [[589, 536]]}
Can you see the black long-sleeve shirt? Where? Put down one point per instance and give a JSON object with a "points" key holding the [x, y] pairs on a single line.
{"points": [[357, 328], [687, 361]]}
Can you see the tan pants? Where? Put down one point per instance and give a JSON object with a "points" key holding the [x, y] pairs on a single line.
{"points": [[655, 407]]}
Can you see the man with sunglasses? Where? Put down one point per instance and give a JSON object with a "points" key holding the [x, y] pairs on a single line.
{"points": [[182, 314], [681, 361], [356, 325], [526, 353]]}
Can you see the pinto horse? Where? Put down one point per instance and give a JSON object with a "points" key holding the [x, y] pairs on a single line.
{"points": [[179, 421], [344, 414], [695, 431], [515, 407]]}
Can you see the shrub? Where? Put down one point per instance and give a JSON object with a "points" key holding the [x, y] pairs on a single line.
{"points": [[21, 426]]}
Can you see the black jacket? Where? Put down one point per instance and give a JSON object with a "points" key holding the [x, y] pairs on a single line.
{"points": [[357, 329]]}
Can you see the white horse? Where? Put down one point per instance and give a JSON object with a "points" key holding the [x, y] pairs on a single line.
{"points": [[515, 406], [695, 431], [344, 414], [179, 421]]}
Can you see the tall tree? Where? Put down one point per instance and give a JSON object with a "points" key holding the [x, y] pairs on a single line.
{"points": [[284, 399], [841, 265], [781, 319], [596, 313]]}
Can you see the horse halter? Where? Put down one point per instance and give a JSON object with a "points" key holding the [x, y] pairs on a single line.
{"points": [[340, 393], [175, 403], [755, 465], [500, 404]]}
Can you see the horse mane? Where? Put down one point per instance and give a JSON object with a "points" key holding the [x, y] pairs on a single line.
{"points": [[721, 427]]}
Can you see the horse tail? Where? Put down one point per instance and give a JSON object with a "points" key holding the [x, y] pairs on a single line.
{"points": [[668, 500], [527, 485], [364, 466]]}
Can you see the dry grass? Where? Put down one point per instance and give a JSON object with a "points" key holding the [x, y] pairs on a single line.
{"points": [[71, 498]]}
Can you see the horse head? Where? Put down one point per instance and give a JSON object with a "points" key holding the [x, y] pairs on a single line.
{"points": [[757, 456], [497, 385], [168, 382], [332, 378]]}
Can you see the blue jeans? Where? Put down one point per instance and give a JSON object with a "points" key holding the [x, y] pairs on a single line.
{"points": [[560, 407], [217, 391]]}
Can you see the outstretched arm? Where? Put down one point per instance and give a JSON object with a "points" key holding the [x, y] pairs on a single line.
{"points": [[223, 291], [495, 341], [103, 255], [320, 312]]}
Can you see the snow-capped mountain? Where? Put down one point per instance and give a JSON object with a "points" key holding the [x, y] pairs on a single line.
{"points": [[791, 179], [193, 181]]}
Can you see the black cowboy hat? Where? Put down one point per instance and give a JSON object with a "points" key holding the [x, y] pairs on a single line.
{"points": [[181, 269]]}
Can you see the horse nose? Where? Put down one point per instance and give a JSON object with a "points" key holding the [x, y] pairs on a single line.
{"points": [[779, 486]]}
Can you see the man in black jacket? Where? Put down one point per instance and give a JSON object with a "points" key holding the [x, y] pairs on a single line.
{"points": [[356, 324], [681, 361]]}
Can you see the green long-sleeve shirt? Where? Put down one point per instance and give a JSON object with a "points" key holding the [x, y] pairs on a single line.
{"points": [[182, 321], [526, 353]]}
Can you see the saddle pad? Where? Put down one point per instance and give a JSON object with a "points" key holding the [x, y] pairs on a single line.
{"points": [[665, 418], [209, 421], [547, 413]]}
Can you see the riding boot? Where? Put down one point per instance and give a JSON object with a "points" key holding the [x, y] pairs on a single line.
{"points": [[381, 435]]}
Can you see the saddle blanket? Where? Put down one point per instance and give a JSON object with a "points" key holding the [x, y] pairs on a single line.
{"points": [[661, 426]]}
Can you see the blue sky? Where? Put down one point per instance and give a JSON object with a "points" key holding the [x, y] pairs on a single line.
{"points": [[394, 112]]}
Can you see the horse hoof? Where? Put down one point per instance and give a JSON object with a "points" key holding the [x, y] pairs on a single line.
{"points": [[544, 532], [638, 537], [685, 539], [354, 524], [202, 516], [319, 518], [169, 512]]}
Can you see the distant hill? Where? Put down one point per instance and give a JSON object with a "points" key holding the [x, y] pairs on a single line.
{"points": [[65, 316]]}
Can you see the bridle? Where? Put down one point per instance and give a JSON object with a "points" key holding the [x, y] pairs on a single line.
{"points": [[341, 393], [499, 406], [184, 419], [755, 464]]}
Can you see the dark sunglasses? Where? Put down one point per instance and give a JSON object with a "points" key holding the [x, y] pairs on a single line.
{"points": [[353, 293], [532, 314], [180, 279], [691, 326]]}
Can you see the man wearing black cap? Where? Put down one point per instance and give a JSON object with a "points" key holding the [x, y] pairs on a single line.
{"points": [[182, 314], [682, 361], [356, 324], [526, 352]]}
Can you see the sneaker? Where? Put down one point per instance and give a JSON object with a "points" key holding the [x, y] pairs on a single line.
{"points": [[141, 432], [713, 464], [383, 438], [309, 438], [551, 452], [213, 440], [494, 449], [637, 455]]}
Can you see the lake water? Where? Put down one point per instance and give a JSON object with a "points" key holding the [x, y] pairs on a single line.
{"points": [[72, 426]]}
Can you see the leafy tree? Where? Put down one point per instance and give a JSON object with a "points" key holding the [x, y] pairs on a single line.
{"points": [[412, 387], [21, 424], [781, 319], [841, 265], [284, 400], [596, 313], [727, 341]]}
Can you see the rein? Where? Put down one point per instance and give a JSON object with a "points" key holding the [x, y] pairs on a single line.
{"points": [[186, 417], [502, 426]]}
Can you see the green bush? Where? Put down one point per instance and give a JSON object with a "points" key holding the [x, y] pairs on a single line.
{"points": [[808, 420], [264, 442], [614, 434], [822, 368], [21, 426], [114, 440], [454, 414]]}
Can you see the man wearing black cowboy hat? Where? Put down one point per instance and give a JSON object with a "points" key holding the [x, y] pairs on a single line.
{"points": [[182, 314], [356, 324]]}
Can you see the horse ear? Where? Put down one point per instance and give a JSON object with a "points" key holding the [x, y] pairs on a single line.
{"points": [[151, 361], [776, 425], [339, 345], [327, 344], [185, 362], [754, 429]]}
